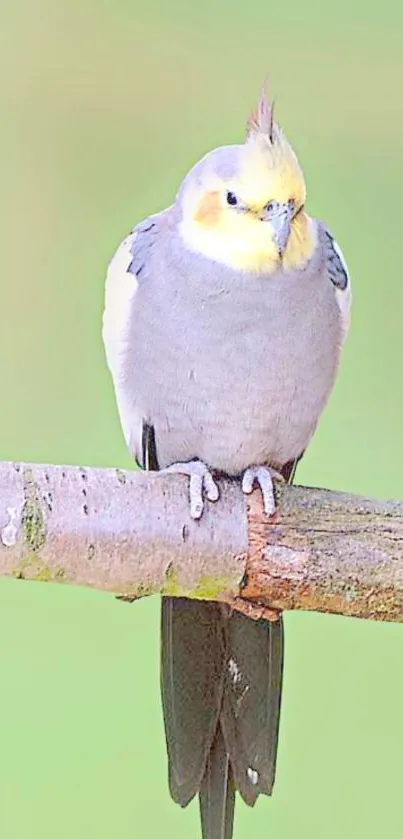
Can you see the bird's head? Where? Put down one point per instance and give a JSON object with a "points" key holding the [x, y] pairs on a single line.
{"points": [[243, 205]]}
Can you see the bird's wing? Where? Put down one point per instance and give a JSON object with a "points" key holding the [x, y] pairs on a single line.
{"points": [[338, 274], [126, 272]]}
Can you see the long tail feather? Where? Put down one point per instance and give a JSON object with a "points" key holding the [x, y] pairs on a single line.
{"points": [[217, 792]]}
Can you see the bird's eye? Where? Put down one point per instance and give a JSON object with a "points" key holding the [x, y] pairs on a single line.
{"points": [[232, 199], [291, 204]]}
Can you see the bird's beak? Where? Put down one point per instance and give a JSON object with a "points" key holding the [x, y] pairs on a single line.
{"points": [[281, 224]]}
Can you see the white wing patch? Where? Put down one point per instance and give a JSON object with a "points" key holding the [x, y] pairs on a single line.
{"points": [[126, 272], [120, 290]]}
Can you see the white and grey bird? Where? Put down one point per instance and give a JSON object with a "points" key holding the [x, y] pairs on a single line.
{"points": [[224, 320]]}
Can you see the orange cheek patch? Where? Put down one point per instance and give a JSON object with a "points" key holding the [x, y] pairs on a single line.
{"points": [[209, 210]]}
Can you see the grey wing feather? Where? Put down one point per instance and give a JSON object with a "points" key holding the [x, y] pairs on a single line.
{"points": [[337, 272], [144, 236], [336, 266]]}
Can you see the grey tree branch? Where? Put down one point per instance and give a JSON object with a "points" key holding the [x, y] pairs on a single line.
{"points": [[131, 533]]}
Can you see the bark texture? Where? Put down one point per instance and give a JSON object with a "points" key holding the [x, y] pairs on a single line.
{"points": [[131, 533]]}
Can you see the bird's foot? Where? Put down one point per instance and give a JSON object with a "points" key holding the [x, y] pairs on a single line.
{"points": [[201, 483], [263, 476]]}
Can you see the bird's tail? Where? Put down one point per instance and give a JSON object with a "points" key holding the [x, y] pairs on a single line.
{"points": [[221, 681], [221, 676], [217, 792]]}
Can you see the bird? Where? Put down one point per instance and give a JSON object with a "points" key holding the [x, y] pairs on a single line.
{"points": [[225, 316]]}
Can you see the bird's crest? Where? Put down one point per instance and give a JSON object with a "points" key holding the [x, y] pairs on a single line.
{"points": [[268, 155], [261, 120]]}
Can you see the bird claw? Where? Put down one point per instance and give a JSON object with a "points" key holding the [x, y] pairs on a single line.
{"points": [[201, 483], [263, 476]]}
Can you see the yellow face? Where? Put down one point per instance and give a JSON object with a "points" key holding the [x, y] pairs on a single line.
{"points": [[255, 221]]}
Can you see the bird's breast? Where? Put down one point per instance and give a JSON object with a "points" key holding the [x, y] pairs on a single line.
{"points": [[235, 376]]}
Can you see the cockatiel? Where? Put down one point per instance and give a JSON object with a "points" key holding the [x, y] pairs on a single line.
{"points": [[224, 320]]}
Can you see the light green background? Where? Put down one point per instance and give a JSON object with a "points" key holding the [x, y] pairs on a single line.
{"points": [[104, 106]]}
